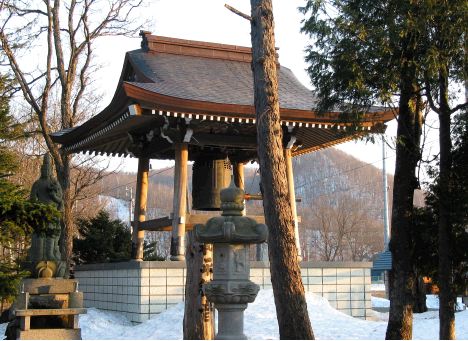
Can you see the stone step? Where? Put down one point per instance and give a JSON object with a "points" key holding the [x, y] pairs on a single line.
{"points": [[47, 312], [49, 334]]}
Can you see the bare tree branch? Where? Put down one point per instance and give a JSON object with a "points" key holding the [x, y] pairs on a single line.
{"points": [[57, 90], [239, 13]]}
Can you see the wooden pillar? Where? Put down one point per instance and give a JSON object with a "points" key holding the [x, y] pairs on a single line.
{"points": [[292, 196], [138, 236], [198, 322], [238, 172], [179, 205]]}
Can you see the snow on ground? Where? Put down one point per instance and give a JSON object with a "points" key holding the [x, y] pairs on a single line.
{"points": [[260, 323], [327, 322], [378, 287], [432, 301], [378, 302], [100, 325]]}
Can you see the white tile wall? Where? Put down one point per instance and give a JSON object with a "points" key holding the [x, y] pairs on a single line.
{"points": [[141, 293]]}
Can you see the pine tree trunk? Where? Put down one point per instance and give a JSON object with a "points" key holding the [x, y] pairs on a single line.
{"points": [[446, 294], [66, 238], [291, 307], [198, 314], [402, 279], [420, 296]]}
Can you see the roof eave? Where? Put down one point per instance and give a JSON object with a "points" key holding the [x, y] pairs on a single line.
{"points": [[171, 103]]}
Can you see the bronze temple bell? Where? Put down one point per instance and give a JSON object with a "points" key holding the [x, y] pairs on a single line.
{"points": [[209, 177]]}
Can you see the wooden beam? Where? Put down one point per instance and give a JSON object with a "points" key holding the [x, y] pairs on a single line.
{"points": [[52, 311], [138, 235], [249, 196], [158, 224], [223, 140], [165, 223]]}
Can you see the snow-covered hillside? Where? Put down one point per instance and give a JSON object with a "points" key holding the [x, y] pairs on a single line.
{"points": [[117, 208]]}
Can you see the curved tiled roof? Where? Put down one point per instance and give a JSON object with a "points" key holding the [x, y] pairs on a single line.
{"points": [[212, 86], [213, 80]]}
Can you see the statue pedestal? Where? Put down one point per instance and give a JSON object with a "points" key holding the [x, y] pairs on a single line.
{"points": [[47, 308]]}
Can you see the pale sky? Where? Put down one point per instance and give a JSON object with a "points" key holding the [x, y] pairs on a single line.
{"points": [[209, 20]]}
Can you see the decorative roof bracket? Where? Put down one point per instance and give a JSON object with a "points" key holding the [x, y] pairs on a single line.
{"points": [[292, 138]]}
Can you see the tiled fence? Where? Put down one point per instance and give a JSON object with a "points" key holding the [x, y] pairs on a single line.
{"points": [[142, 289]]}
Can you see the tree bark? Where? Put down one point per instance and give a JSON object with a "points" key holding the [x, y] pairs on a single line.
{"points": [[291, 307], [198, 313], [401, 276], [420, 295], [68, 226], [446, 294]]}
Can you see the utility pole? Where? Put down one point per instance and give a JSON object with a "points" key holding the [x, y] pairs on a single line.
{"points": [[385, 196], [385, 214], [129, 190]]}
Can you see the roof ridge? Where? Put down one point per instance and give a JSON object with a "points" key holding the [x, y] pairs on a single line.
{"points": [[155, 43]]}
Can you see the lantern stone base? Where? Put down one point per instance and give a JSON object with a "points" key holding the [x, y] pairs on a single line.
{"points": [[230, 321]]}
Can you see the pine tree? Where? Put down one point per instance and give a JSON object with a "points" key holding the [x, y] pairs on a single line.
{"points": [[363, 53], [102, 240], [446, 64], [291, 306], [367, 52], [427, 240], [18, 216]]}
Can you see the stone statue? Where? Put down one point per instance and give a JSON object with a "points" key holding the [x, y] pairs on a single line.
{"points": [[44, 256]]}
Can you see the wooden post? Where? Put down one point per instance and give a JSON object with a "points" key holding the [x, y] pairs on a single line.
{"points": [[138, 236], [238, 173], [179, 203], [198, 323], [292, 197], [25, 323], [73, 321]]}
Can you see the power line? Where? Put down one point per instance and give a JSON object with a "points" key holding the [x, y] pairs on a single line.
{"points": [[341, 173], [353, 169], [134, 181], [297, 187], [342, 190]]}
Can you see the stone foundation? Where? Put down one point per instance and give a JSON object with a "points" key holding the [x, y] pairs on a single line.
{"points": [[141, 290]]}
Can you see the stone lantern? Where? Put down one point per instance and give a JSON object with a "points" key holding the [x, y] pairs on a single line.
{"points": [[231, 290]]}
